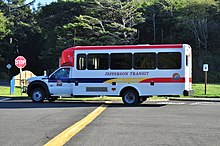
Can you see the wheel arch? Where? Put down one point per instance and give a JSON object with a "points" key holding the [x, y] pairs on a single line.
{"points": [[37, 84], [129, 88]]}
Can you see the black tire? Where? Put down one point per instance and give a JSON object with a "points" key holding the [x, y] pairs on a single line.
{"points": [[38, 95], [142, 99], [52, 99], [130, 97]]}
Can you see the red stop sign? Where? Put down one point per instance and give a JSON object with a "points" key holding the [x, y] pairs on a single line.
{"points": [[20, 62]]}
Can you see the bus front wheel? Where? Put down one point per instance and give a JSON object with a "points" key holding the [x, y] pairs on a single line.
{"points": [[37, 95], [130, 97]]}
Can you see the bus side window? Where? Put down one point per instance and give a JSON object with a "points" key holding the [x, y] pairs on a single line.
{"points": [[61, 74], [97, 61], [81, 61], [121, 61], [144, 60], [169, 60]]}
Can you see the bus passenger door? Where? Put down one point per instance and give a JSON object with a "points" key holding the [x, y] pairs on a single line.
{"points": [[88, 76]]}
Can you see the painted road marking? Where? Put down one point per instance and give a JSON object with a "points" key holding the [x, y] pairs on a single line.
{"points": [[205, 103], [5, 99], [67, 134], [172, 103]]}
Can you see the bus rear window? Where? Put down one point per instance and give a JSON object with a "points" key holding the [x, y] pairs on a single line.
{"points": [[169, 60]]}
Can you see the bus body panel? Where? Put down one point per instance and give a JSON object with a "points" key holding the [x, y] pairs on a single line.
{"points": [[147, 82]]}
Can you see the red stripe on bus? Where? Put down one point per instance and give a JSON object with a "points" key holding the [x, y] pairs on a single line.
{"points": [[163, 80], [174, 46]]}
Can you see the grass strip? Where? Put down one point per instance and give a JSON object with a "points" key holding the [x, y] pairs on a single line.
{"points": [[213, 91]]}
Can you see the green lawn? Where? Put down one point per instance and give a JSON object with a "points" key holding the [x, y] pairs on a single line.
{"points": [[5, 91], [213, 90]]}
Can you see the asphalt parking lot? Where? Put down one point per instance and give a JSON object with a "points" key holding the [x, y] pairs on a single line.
{"points": [[152, 123]]}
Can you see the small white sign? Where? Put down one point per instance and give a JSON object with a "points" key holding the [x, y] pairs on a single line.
{"points": [[205, 67], [8, 66]]}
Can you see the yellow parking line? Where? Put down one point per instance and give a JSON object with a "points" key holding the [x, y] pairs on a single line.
{"points": [[67, 134]]}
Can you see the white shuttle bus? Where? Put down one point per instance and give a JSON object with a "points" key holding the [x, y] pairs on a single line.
{"points": [[133, 72]]}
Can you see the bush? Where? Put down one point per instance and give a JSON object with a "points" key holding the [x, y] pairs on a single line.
{"points": [[4, 76]]}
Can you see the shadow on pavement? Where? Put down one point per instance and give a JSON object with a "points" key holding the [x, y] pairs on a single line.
{"points": [[4, 83], [146, 104], [67, 104]]}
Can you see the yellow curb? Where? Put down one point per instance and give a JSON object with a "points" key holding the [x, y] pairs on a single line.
{"points": [[67, 134]]}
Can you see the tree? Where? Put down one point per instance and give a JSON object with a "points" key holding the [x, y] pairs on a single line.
{"points": [[24, 34], [105, 23], [196, 16], [120, 20], [3, 32], [151, 9], [3, 29], [197, 24], [88, 22], [160, 24], [51, 19]]}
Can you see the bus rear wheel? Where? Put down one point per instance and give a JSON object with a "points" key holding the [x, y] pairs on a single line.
{"points": [[130, 97]]}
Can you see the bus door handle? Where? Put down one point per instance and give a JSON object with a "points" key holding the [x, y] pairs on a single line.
{"points": [[152, 83], [113, 83], [76, 83]]}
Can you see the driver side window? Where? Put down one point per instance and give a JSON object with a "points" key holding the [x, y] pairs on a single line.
{"points": [[60, 74]]}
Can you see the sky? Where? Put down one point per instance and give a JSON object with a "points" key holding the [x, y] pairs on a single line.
{"points": [[43, 2]]}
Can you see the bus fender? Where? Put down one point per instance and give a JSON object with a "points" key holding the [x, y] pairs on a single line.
{"points": [[38, 84], [129, 88]]}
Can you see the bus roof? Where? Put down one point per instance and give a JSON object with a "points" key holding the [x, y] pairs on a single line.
{"points": [[165, 46], [67, 57]]}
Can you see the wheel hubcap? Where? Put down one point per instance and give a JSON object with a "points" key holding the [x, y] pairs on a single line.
{"points": [[37, 95], [130, 98]]}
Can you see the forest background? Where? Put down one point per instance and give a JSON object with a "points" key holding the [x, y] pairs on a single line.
{"points": [[41, 34]]}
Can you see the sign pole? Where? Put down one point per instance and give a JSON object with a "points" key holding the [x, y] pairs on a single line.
{"points": [[9, 67], [205, 81], [9, 76], [21, 80], [205, 69], [20, 62]]}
